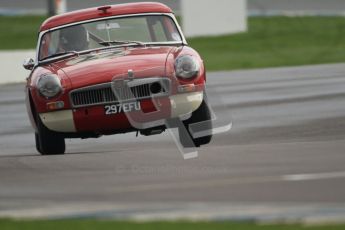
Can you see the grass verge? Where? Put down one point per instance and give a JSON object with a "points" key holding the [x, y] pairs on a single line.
{"points": [[276, 41], [19, 32], [269, 42], [110, 225]]}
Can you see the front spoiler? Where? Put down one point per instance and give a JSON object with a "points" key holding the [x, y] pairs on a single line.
{"points": [[59, 121]]}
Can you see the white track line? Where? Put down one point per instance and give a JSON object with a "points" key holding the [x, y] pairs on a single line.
{"points": [[229, 181], [314, 176]]}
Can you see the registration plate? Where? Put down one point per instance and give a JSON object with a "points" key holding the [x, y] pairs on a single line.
{"points": [[122, 108]]}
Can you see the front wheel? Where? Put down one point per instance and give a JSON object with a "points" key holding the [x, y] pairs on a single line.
{"points": [[201, 123], [48, 142]]}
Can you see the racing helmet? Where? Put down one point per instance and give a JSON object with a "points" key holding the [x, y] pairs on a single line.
{"points": [[74, 38]]}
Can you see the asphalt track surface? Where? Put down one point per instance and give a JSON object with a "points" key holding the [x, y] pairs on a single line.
{"points": [[284, 158]]}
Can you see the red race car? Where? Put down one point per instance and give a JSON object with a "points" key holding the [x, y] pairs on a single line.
{"points": [[114, 69]]}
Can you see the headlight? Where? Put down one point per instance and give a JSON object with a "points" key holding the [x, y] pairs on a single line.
{"points": [[187, 67], [49, 85]]}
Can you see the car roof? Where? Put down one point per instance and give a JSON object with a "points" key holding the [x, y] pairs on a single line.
{"points": [[96, 12]]}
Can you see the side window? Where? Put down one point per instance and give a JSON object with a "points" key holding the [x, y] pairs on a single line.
{"points": [[49, 44], [158, 30], [173, 33], [54, 44], [163, 29]]}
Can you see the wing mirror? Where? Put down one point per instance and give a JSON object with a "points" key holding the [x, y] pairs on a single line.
{"points": [[29, 63]]}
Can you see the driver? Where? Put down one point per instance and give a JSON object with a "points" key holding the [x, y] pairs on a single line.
{"points": [[74, 38]]}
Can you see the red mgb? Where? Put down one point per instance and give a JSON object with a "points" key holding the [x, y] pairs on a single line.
{"points": [[114, 69]]}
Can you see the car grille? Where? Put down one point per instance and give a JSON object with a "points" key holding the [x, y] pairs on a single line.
{"points": [[103, 93]]}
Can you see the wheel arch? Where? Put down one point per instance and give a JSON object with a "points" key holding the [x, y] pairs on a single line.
{"points": [[31, 110]]}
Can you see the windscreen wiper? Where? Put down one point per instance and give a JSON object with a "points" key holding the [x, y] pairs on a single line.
{"points": [[60, 54], [119, 42]]}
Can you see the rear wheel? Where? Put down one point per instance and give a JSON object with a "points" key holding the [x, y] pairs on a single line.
{"points": [[48, 142], [202, 117]]}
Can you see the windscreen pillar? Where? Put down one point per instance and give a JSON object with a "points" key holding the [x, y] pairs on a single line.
{"points": [[212, 18]]}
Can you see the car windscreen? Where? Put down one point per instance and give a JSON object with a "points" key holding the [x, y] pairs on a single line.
{"points": [[100, 33]]}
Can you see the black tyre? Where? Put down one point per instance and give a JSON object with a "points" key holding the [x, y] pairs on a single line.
{"points": [[38, 144], [48, 142], [202, 116]]}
